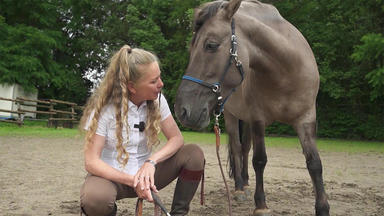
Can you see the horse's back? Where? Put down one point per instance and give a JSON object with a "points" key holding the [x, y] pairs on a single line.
{"points": [[264, 12], [284, 75], [268, 15]]}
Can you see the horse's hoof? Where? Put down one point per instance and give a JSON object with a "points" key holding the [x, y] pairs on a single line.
{"points": [[248, 192], [262, 212], [239, 196]]}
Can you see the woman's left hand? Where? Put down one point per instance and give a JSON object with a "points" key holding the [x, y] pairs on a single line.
{"points": [[145, 179]]}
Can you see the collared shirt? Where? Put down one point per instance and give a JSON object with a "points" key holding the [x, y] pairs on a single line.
{"points": [[135, 142]]}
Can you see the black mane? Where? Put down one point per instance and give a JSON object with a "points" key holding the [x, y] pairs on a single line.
{"points": [[207, 11]]}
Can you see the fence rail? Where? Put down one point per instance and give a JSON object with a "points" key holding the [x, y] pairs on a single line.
{"points": [[52, 110]]}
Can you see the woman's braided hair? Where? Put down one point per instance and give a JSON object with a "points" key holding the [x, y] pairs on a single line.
{"points": [[113, 90]]}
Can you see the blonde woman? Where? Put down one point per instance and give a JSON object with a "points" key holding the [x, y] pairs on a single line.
{"points": [[122, 120]]}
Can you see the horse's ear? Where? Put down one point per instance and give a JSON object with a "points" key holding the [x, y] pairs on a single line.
{"points": [[231, 8], [196, 13], [196, 21]]}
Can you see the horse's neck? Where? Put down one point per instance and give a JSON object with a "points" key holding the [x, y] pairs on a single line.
{"points": [[267, 44], [254, 1]]}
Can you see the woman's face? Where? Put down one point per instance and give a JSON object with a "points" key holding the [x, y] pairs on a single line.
{"points": [[148, 86]]}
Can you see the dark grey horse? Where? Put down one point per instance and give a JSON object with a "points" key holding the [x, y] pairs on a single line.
{"points": [[276, 80]]}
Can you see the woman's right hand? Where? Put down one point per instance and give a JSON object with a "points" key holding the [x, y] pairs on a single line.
{"points": [[143, 192], [144, 181]]}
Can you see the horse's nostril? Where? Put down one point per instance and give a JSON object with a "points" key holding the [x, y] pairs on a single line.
{"points": [[184, 113], [205, 111]]}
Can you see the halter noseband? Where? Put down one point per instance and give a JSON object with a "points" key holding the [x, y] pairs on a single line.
{"points": [[216, 87]]}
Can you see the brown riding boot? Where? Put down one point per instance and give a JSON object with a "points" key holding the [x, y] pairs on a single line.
{"points": [[186, 187]]}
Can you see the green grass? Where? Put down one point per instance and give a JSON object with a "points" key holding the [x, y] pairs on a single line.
{"points": [[203, 138], [36, 129], [39, 129], [330, 145]]}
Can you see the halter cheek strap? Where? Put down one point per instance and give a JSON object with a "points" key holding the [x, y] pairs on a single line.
{"points": [[216, 87]]}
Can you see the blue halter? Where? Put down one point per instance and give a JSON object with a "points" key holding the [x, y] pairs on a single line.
{"points": [[216, 87]]}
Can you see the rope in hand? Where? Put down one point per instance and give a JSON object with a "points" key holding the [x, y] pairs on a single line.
{"points": [[217, 132], [139, 207], [158, 204]]}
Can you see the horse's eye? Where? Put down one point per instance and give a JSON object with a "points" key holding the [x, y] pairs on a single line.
{"points": [[211, 46]]}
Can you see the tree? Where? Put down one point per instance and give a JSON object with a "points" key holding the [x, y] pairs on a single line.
{"points": [[350, 74], [174, 18], [31, 46], [370, 54]]}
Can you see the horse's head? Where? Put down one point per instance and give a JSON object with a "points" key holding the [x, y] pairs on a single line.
{"points": [[209, 74]]}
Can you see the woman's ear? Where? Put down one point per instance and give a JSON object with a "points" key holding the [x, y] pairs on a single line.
{"points": [[131, 87]]}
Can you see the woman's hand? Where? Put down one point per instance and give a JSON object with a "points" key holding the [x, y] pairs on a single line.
{"points": [[144, 181]]}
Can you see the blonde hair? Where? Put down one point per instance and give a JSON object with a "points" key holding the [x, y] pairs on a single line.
{"points": [[123, 67]]}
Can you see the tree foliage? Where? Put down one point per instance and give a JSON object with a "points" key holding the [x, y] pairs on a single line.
{"points": [[346, 37], [370, 55], [58, 46]]}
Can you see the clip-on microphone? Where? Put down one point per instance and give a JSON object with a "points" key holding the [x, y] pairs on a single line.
{"points": [[141, 126]]}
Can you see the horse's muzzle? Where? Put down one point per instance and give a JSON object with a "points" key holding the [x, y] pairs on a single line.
{"points": [[193, 118]]}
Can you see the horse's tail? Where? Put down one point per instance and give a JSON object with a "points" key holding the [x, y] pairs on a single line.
{"points": [[231, 159]]}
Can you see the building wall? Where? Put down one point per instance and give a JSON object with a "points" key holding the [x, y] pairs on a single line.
{"points": [[6, 91], [12, 92]]}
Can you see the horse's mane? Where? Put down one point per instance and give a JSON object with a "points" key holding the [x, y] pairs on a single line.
{"points": [[207, 11]]}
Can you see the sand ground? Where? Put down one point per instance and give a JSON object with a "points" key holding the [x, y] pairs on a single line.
{"points": [[42, 176]]}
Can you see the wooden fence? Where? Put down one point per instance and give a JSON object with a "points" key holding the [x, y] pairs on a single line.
{"points": [[55, 112]]}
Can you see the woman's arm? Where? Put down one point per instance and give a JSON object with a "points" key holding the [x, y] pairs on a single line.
{"points": [[96, 166], [146, 173], [174, 140]]}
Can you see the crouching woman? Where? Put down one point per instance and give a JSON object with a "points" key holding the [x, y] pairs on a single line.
{"points": [[122, 120]]}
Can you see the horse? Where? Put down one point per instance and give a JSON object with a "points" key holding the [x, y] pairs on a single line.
{"points": [[247, 60]]}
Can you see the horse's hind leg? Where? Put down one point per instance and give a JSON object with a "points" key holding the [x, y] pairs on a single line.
{"points": [[307, 134], [245, 140], [259, 160], [235, 154]]}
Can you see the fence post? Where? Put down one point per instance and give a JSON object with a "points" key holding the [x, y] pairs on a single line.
{"points": [[20, 119], [50, 121]]}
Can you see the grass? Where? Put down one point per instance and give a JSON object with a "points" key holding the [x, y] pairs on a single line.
{"points": [[330, 145], [39, 129]]}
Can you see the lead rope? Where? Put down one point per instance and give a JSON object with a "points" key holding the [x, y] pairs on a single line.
{"points": [[217, 132], [139, 207]]}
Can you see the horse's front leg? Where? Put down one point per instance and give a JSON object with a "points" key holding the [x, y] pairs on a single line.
{"points": [[307, 133], [259, 160]]}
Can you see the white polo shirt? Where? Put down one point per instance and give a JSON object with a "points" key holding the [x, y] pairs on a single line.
{"points": [[137, 141]]}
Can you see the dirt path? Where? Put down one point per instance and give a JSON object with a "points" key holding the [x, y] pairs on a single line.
{"points": [[43, 176]]}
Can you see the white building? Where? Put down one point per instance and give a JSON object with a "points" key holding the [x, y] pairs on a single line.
{"points": [[12, 92]]}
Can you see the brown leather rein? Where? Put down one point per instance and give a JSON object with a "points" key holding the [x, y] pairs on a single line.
{"points": [[158, 206], [217, 132]]}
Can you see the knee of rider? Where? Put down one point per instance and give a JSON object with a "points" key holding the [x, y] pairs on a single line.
{"points": [[97, 203], [196, 157]]}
